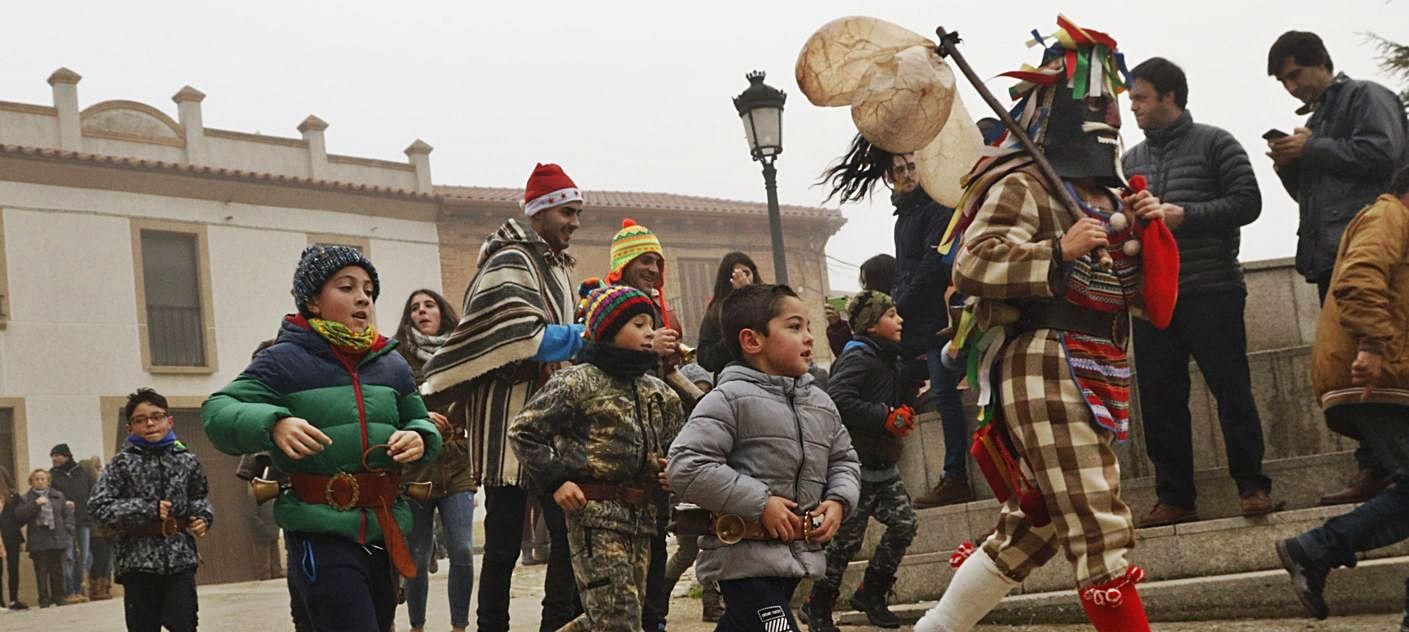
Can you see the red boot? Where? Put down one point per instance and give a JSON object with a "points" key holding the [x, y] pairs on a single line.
{"points": [[1115, 605]]}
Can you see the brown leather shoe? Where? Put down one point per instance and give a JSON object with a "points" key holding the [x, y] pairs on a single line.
{"points": [[1259, 503], [1163, 515], [1360, 488], [950, 491]]}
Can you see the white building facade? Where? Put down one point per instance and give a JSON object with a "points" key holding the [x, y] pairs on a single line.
{"points": [[145, 250]]}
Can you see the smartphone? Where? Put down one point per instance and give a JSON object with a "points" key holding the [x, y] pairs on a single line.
{"points": [[1274, 134]]}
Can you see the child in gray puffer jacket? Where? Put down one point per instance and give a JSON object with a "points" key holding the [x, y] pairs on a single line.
{"points": [[768, 447]]}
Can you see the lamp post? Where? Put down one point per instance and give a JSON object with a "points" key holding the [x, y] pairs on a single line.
{"points": [[760, 108]]}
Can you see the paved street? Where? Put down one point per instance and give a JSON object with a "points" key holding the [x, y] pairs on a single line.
{"points": [[263, 606]]}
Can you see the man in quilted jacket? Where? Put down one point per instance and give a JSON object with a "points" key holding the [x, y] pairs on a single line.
{"points": [[1209, 191]]}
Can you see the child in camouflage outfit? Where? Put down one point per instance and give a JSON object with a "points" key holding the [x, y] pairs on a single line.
{"points": [[873, 400], [155, 497], [595, 436]]}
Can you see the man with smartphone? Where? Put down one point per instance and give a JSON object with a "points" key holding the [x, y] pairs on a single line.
{"points": [[1333, 167], [1209, 191]]}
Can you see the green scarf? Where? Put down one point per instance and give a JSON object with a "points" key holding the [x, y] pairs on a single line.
{"points": [[338, 335]]}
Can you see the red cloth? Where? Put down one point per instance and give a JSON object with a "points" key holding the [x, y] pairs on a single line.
{"points": [[1160, 259], [1160, 262]]}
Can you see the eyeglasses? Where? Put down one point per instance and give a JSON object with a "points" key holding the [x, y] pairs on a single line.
{"points": [[154, 418]]}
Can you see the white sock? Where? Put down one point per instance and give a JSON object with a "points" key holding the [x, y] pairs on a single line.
{"points": [[977, 587]]}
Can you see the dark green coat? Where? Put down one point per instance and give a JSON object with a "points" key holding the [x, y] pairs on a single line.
{"points": [[356, 406]]}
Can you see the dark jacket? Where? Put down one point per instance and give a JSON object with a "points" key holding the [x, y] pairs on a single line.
{"points": [[838, 334], [10, 522], [77, 485], [39, 537], [921, 275], [865, 385], [1359, 136], [127, 496], [1203, 169], [711, 353]]}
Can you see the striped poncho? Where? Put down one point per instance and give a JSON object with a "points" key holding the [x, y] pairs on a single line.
{"points": [[485, 367]]}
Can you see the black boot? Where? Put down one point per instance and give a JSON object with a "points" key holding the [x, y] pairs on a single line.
{"points": [[870, 598], [816, 612]]}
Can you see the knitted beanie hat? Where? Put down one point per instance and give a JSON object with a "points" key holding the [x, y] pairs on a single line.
{"points": [[62, 449], [318, 263], [633, 240], [611, 307], [864, 310]]}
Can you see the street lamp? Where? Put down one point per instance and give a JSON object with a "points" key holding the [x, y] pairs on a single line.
{"points": [[761, 110]]}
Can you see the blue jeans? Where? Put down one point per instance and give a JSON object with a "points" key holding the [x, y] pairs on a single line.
{"points": [[1384, 519], [74, 572], [457, 512], [944, 387]]}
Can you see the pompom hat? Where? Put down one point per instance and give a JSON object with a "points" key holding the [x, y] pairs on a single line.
{"points": [[318, 263], [633, 240], [548, 187], [610, 308]]}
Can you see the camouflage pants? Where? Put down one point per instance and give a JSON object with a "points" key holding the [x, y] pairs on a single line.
{"points": [[610, 568], [889, 503]]}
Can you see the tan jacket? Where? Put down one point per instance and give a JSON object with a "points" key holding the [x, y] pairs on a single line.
{"points": [[1367, 309]]}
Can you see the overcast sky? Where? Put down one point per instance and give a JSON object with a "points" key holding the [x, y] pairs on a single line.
{"points": [[633, 95]]}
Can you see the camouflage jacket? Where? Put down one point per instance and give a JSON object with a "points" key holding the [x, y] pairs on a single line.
{"points": [[127, 494], [587, 424]]}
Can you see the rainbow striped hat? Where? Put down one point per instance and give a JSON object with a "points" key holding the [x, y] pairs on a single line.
{"points": [[611, 307]]}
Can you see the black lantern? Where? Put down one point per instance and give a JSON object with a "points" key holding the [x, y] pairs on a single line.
{"points": [[761, 110]]}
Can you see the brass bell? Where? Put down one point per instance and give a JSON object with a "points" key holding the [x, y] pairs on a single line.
{"points": [[687, 353], [730, 528], [265, 490], [419, 491]]}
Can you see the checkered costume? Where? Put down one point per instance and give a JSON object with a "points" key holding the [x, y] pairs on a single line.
{"points": [[1012, 252]]}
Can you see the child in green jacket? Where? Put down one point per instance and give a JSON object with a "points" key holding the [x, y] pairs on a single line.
{"points": [[339, 412]]}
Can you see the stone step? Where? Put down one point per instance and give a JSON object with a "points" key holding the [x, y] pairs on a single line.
{"points": [[1374, 586], [1191, 550], [1301, 481]]}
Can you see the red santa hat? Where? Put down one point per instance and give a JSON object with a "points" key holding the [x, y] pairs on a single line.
{"points": [[548, 187]]}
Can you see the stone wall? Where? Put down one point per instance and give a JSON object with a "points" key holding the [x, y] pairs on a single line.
{"points": [[1280, 318]]}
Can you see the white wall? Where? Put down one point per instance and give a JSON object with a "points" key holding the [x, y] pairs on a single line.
{"points": [[25, 128], [73, 336]]}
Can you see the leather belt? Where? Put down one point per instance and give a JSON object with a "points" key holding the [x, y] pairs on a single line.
{"points": [[369, 490], [629, 493], [158, 528], [729, 528], [1068, 317]]}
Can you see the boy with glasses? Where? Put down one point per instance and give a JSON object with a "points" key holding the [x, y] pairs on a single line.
{"points": [[154, 496]]}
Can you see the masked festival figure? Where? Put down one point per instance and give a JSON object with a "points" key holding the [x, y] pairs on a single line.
{"points": [[1058, 359]]}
